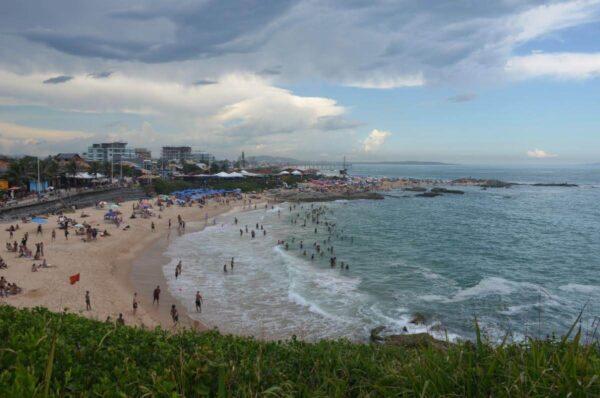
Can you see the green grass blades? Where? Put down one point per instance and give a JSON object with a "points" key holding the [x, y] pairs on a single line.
{"points": [[55, 355]]}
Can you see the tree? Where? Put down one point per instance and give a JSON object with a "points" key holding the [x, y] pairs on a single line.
{"points": [[49, 170], [95, 167], [214, 168], [106, 169], [225, 165], [22, 170], [191, 168], [72, 167]]}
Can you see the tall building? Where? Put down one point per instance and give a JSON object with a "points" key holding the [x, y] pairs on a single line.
{"points": [[202, 157], [143, 154], [176, 153], [108, 152]]}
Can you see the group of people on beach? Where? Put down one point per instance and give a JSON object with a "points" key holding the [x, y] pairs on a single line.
{"points": [[7, 288], [90, 233]]}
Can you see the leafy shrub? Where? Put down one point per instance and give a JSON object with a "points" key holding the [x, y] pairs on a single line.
{"points": [[67, 355]]}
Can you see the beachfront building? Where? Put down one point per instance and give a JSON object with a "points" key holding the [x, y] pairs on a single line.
{"points": [[109, 152], [202, 157], [177, 154], [143, 154]]}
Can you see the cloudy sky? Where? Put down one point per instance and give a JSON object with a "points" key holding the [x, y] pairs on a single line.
{"points": [[505, 81]]}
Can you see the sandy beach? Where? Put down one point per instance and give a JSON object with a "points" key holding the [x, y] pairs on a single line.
{"points": [[112, 268]]}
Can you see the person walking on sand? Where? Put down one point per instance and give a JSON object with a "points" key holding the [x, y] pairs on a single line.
{"points": [[135, 303], [39, 230], [120, 320], [156, 296], [178, 269], [88, 304], [152, 226], [66, 233], [198, 302], [174, 314], [53, 235]]}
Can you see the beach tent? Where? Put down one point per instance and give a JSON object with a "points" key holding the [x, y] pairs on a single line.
{"points": [[236, 175], [297, 173], [248, 174], [222, 174], [284, 173]]}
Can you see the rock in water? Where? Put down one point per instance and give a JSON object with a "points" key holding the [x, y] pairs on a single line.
{"points": [[418, 319], [418, 340]]}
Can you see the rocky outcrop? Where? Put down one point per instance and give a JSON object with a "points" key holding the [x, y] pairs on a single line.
{"points": [[446, 190], [561, 184], [416, 340], [315, 196], [428, 194]]}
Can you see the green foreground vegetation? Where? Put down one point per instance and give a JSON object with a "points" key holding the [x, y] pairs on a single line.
{"points": [[48, 354]]}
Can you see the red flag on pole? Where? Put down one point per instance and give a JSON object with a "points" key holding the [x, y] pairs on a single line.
{"points": [[74, 279]]}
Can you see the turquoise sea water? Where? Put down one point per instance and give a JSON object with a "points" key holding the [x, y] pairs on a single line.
{"points": [[523, 260]]}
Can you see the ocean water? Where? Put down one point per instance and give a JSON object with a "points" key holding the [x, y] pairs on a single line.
{"points": [[523, 261]]}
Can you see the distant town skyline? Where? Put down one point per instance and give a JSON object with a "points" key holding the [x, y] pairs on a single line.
{"points": [[499, 82]]}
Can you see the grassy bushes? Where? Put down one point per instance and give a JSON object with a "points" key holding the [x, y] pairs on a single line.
{"points": [[90, 358]]}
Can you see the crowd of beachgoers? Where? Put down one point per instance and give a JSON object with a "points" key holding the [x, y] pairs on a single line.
{"points": [[85, 254]]}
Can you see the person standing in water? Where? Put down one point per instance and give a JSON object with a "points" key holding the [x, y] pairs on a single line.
{"points": [[232, 263], [225, 268]]}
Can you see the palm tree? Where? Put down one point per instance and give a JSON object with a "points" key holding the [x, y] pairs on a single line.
{"points": [[72, 167], [50, 170], [106, 167], [94, 168], [21, 171]]}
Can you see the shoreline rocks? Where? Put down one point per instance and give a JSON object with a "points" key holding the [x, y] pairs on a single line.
{"points": [[446, 190], [326, 196], [428, 194], [554, 184]]}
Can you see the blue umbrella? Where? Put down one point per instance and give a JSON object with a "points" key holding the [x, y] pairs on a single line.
{"points": [[39, 220]]}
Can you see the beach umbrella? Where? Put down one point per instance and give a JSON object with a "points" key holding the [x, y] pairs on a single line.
{"points": [[39, 220]]}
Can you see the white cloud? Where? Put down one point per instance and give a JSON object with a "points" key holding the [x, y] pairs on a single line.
{"points": [[16, 131], [15, 138], [539, 154], [384, 83], [375, 140], [238, 109], [540, 20], [558, 65]]}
